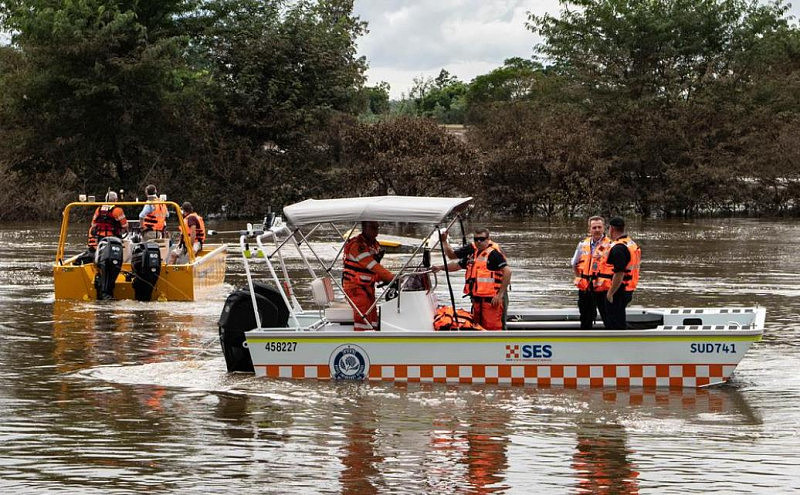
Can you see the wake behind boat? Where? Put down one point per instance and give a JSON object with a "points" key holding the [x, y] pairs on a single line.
{"points": [[130, 268], [664, 347]]}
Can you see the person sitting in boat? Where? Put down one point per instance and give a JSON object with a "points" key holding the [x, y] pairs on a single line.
{"points": [[621, 266], [592, 290], [486, 279], [153, 218], [362, 269], [108, 221], [197, 234]]}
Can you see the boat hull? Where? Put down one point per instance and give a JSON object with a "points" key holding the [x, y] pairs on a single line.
{"points": [[176, 282], [574, 358]]}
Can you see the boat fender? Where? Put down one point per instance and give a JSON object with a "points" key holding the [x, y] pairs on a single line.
{"points": [[238, 317]]}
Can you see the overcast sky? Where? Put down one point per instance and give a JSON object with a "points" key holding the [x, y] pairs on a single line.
{"points": [[413, 38]]}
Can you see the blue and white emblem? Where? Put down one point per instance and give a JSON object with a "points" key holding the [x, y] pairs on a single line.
{"points": [[349, 362]]}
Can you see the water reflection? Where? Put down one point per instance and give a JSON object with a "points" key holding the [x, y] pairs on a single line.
{"points": [[123, 397], [361, 464], [470, 433], [601, 460], [87, 335]]}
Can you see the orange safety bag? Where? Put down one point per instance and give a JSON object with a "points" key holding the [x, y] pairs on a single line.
{"points": [[445, 320]]}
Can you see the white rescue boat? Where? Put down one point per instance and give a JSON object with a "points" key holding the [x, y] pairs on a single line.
{"points": [[663, 347]]}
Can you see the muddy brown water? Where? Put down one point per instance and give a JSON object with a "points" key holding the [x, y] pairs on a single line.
{"points": [[127, 397]]}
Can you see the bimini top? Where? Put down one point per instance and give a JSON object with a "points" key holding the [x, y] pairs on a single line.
{"points": [[414, 209]]}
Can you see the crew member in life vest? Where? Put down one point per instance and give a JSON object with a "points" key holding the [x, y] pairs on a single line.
{"points": [[486, 279], [362, 269], [153, 218], [586, 265], [108, 220], [197, 234], [621, 266]]}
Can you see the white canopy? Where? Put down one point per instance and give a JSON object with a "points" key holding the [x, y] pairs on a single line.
{"points": [[415, 209]]}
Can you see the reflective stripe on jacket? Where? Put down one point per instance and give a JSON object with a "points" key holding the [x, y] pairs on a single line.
{"points": [[156, 219], [479, 281], [589, 265], [631, 278], [105, 223], [360, 266]]}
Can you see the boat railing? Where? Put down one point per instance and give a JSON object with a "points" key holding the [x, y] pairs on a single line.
{"points": [[422, 279], [62, 238]]}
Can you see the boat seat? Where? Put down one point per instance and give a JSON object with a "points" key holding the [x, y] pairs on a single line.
{"points": [[335, 311]]}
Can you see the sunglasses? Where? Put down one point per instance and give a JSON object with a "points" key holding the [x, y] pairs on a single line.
{"points": [[479, 239]]}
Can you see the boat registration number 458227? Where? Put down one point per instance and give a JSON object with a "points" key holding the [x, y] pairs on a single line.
{"points": [[281, 346], [709, 348]]}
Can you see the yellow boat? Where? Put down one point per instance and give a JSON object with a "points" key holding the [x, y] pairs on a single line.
{"points": [[76, 277]]}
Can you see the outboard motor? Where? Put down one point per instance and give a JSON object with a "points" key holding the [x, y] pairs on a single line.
{"points": [[146, 264], [108, 260], [238, 317]]}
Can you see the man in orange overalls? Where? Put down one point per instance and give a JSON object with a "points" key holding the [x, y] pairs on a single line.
{"points": [[362, 269]]}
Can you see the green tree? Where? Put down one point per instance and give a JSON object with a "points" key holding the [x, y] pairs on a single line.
{"points": [[674, 87], [377, 99], [515, 80], [284, 68], [97, 86], [664, 49]]}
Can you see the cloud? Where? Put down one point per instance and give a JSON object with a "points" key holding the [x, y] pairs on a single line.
{"points": [[418, 38], [409, 39]]}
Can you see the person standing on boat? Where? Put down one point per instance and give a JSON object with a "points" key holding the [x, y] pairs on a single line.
{"points": [[153, 218], [621, 266], [586, 261], [108, 220], [197, 233], [486, 280], [362, 269]]}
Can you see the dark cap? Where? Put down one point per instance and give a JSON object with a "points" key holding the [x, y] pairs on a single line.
{"points": [[617, 222]]}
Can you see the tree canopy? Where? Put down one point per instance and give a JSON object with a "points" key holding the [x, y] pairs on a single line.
{"points": [[655, 107]]}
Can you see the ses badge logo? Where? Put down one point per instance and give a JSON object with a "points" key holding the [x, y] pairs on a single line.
{"points": [[525, 352], [349, 362]]}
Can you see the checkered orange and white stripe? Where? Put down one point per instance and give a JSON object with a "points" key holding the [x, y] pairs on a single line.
{"points": [[566, 376]]}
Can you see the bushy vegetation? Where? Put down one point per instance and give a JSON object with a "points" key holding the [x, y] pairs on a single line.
{"points": [[668, 107]]}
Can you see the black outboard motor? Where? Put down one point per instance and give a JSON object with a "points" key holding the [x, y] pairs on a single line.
{"points": [[108, 259], [146, 264], [238, 317]]}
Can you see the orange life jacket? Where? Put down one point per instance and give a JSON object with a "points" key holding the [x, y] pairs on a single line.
{"points": [[444, 319], [104, 224], [589, 265], [200, 229], [360, 266], [156, 219], [479, 281], [631, 278]]}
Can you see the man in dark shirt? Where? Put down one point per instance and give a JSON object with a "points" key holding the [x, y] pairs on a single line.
{"points": [[623, 260], [488, 296]]}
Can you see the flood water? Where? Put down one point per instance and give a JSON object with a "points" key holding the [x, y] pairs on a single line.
{"points": [[127, 397]]}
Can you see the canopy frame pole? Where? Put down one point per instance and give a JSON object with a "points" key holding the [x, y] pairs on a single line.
{"points": [[277, 281], [341, 249], [328, 272], [242, 245], [286, 278], [399, 272], [447, 276]]}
